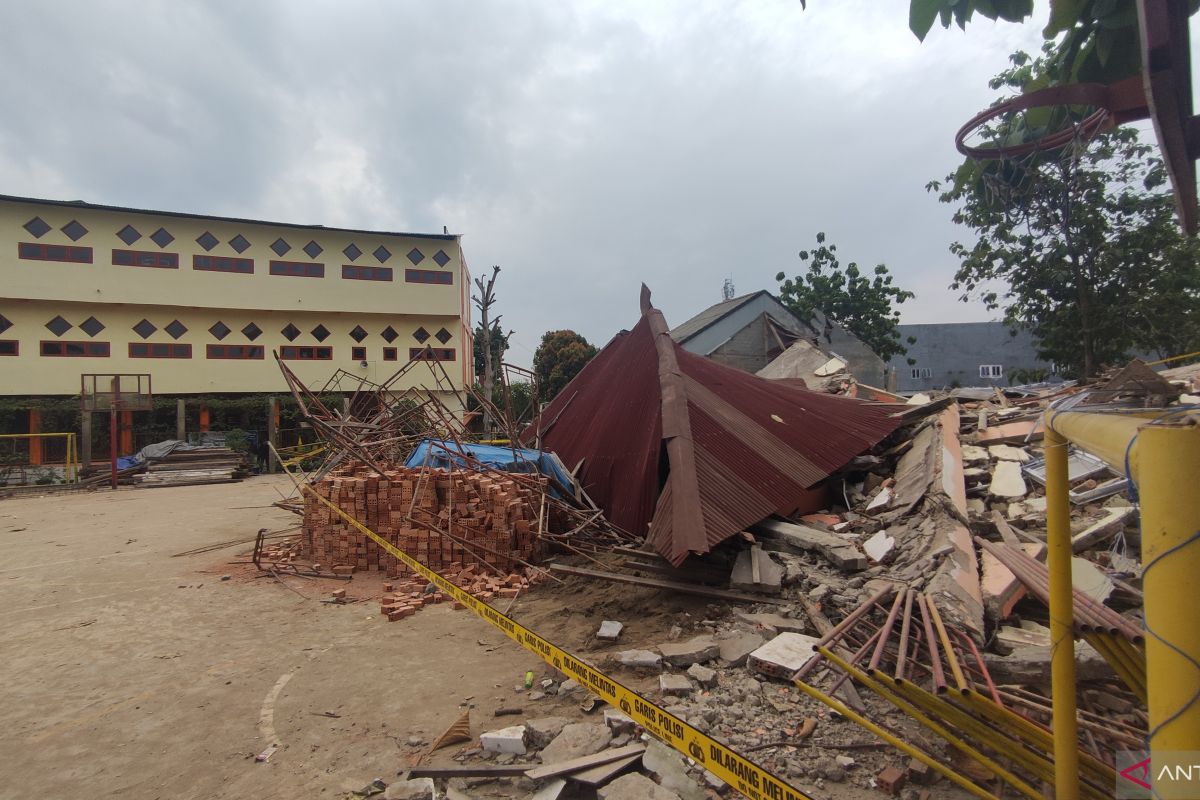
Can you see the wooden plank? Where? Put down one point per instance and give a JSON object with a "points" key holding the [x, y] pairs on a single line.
{"points": [[675, 586], [474, 771], [584, 762], [598, 776]]}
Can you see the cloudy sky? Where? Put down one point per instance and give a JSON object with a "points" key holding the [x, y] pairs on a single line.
{"points": [[583, 146]]}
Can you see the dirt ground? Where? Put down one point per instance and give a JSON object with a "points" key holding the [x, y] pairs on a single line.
{"points": [[132, 671], [129, 673]]}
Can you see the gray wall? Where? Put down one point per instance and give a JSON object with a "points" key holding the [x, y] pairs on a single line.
{"points": [[954, 352]]}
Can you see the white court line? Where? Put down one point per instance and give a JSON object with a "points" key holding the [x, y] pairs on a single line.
{"points": [[266, 717]]}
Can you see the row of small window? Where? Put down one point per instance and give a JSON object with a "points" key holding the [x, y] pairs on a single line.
{"points": [[75, 230], [244, 266], [11, 347], [985, 371]]}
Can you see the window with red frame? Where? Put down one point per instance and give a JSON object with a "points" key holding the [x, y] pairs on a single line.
{"points": [[75, 349], [143, 258], [159, 350], [431, 353], [306, 353], [32, 251], [234, 351], [389, 354]]}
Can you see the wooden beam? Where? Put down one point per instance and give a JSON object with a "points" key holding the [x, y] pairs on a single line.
{"points": [[584, 762]]}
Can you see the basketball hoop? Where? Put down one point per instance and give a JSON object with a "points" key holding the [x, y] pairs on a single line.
{"points": [[1112, 104]]}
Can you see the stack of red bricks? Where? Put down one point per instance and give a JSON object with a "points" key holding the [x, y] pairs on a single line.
{"points": [[407, 597], [457, 518]]}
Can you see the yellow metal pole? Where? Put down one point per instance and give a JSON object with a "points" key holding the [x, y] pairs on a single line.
{"points": [[1168, 474], [1062, 637]]}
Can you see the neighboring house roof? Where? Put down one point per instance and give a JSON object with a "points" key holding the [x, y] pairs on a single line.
{"points": [[714, 314], [739, 448]]}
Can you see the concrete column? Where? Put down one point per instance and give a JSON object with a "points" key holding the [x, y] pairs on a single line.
{"points": [[272, 433], [35, 443], [85, 438], [180, 419]]}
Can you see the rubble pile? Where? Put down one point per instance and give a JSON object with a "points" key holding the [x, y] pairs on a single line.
{"points": [[438, 517]]}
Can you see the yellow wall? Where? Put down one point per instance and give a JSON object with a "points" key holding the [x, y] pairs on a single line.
{"points": [[104, 282], [34, 292], [31, 373]]}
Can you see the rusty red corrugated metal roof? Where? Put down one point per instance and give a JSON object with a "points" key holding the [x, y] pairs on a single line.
{"points": [[697, 450]]}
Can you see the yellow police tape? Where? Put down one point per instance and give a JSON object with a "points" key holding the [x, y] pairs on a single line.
{"points": [[738, 771]]}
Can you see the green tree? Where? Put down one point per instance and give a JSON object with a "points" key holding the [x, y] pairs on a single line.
{"points": [[558, 359], [1079, 244], [499, 348], [860, 303]]}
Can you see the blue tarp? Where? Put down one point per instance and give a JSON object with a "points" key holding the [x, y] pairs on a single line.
{"points": [[435, 453]]}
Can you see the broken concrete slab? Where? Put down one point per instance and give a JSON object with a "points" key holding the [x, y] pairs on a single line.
{"points": [[696, 650], [668, 766], [609, 630], [635, 786], [551, 791], [974, 455], [618, 721], [1028, 634], [783, 655], [505, 740], [639, 659], [675, 685], [881, 500], [1031, 665], [703, 675], [603, 773], [415, 789], [755, 571], [541, 731], [735, 649], [879, 546], [1005, 452], [1087, 578], [1110, 524], [1007, 480], [576, 740], [803, 538], [773, 623]]}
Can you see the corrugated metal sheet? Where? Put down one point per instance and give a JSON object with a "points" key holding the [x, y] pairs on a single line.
{"points": [[694, 449]]}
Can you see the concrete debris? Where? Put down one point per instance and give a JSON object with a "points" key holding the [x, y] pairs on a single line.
{"points": [[635, 787], [505, 740], [702, 675], [1007, 480], [802, 538], [879, 546], [639, 659], [609, 630], [783, 655], [674, 685], [618, 722], [772, 623], [737, 648], [576, 740], [697, 650], [881, 500], [1088, 579], [415, 789], [551, 791], [755, 571], [540, 731], [1109, 525], [668, 766], [1004, 452]]}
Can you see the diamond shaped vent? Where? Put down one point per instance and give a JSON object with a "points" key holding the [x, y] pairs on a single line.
{"points": [[352, 252], [382, 254], [176, 329], [207, 241], [280, 247], [421, 335], [219, 331], [358, 334], [5, 324], [442, 335], [239, 243], [161, 237], [91, 326], [37, 227], [252, 331], [74, 230], [144, 329], [128, 234], [441, 258], [290, 332], [313, 249], [320, 333], [58, 326], [389, 334], [416, 256]]}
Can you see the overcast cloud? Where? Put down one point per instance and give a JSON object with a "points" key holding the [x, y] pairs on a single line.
{"points": [[585, 147]]}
